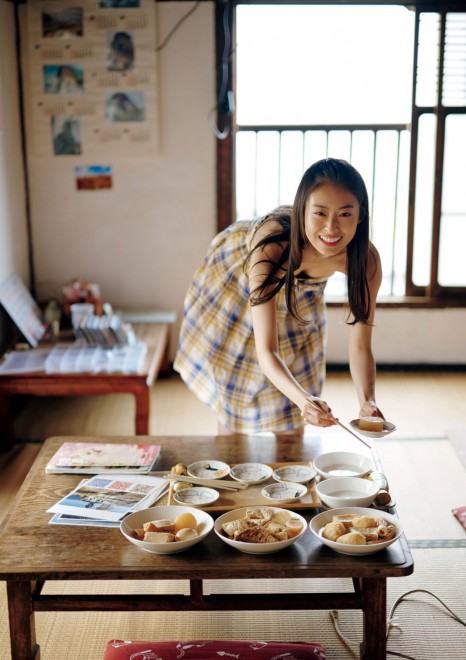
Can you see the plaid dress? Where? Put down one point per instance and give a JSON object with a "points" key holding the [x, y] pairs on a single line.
{"points": [[216, 355]]}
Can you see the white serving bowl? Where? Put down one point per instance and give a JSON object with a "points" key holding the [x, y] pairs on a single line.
{"points": [[208, 469], [256, 548], [318, 523], [342, 464], [283, 492], [347, 491], [388, 428], [170, 512], [196, 496], [298, 474]]}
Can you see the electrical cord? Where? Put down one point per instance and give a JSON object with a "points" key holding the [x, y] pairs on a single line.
{"points": [[222, 94], [176, 26], [390, 622]]}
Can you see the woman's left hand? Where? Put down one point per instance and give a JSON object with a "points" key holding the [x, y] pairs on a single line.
{"points": [[370, 409]]}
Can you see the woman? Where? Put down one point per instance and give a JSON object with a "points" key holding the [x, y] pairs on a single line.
{"points": [[252, 341]]}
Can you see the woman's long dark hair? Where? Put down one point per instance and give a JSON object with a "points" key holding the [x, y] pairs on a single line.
{"points": [[291, 237]]}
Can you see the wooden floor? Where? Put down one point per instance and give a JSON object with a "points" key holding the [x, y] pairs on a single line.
{"points": [[420, 404]]}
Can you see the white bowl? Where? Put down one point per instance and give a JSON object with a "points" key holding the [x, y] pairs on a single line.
{"points": [[196, 496], [342, 464], [256, 548], [137, 519], [284, 491], [388, 428], [208, 469], [251, 473], [347, 491], [318, 523], [299, 474]]}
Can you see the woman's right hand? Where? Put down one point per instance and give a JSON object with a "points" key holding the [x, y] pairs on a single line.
{"points": [[317, 412]]}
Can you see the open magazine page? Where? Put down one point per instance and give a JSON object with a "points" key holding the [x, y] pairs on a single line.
{"points": [[99, 458], [105, 497]]}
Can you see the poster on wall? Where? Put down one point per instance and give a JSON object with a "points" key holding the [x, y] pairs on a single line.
{"points": [[92, 77]]}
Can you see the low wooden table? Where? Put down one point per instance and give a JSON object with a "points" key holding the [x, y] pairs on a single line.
{"points": [[33, 553], [156, 336]]}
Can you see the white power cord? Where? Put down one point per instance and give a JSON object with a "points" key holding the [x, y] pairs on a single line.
{"points": [[390, 622]]}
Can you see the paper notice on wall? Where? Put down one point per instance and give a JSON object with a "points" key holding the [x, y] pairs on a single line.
{"points": [[92, 77]]}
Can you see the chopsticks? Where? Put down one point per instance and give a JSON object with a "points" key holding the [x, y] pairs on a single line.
{"points": [[210, 483], [337, 421]]}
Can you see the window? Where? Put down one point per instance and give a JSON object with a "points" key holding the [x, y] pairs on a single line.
{"points": [[385, 88]]}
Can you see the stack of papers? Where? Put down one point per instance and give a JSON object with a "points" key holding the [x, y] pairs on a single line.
{"points": [[103, 458], [104, 500]]}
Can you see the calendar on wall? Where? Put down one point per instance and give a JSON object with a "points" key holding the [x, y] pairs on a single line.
{"points": [[92, 78]]}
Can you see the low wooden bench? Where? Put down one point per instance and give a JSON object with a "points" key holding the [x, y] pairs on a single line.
{"points": [[156, 336]]}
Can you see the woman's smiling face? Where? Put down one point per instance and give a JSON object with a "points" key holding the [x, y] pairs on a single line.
{"points": [[331, 218]]}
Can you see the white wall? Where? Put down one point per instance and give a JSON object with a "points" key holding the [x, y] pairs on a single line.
{"points": [[142, 241], [406, 336], [13, 232]]}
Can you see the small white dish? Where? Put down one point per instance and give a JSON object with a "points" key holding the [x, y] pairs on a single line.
{"points": [[284, 491], [347, 491], [317, 524], [208, 469], [136, 520], [388, 428], [342, 464], [196, 496], [299, 474], [251, 473], [257, 548]]}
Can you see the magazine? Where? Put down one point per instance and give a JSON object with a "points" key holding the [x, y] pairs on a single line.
{"points": [[105, 497], [67, 519], [103, 458]]}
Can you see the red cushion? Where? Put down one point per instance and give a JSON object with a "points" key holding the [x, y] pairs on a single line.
{"points": [[118, 649]]}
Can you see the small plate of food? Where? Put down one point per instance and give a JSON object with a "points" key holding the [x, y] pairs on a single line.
{"points": [[355, 530], [372, 427], [208, 469], [260, 529], [298, 474], [251, 473]]}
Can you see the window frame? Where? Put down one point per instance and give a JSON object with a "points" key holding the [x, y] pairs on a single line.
{"points": [[432, 296]]}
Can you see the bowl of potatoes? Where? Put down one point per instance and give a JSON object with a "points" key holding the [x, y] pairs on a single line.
{"points": [[356, 530], [166, 530]]}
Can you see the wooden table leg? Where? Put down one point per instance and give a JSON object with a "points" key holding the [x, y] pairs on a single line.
{"points": [[22, 622], [7, 433], [374, 607], [142, 411]]}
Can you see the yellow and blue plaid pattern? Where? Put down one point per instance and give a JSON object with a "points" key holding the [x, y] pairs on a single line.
{"points": [[216, 355]]}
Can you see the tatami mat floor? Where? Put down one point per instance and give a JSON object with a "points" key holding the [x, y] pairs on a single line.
{"points": [[428, 632], [427, 480]]}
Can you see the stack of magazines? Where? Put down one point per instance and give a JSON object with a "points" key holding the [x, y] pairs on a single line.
{"points": [[121, 485], [104, 500]]}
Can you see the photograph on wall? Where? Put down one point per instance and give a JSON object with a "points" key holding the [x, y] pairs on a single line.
{"points": [[66, 135], [93, 177], [93, 69], [120, 51], [61, 23], [124, 106], [63, 79]]}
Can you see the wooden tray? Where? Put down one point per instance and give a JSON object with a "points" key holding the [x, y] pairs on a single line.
{"points": [[252, 496]]}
